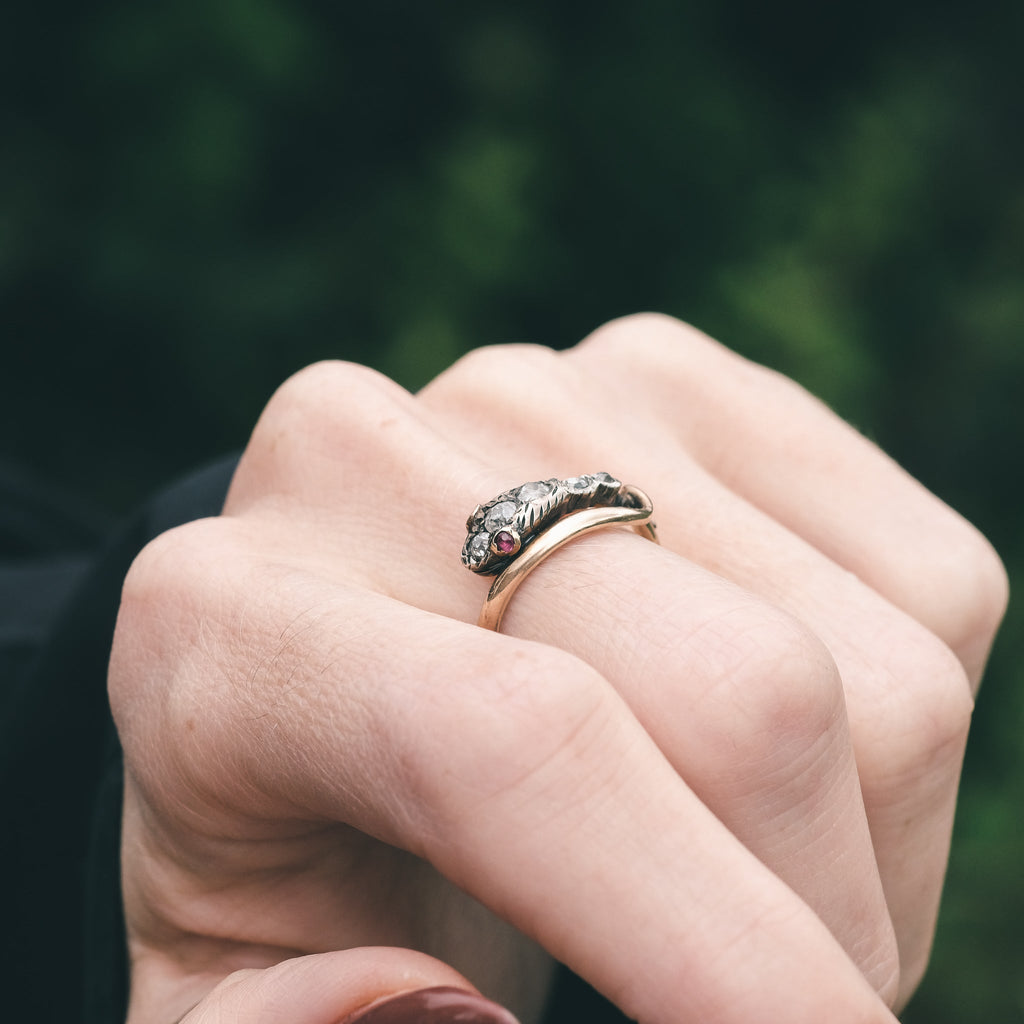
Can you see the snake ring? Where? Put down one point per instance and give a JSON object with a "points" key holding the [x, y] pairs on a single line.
{"points": [[510, 535]]}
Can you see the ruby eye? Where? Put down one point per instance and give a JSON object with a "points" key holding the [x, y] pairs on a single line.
{"points": [[504, 542]]}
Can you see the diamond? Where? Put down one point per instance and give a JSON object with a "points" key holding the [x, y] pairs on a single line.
{"points": [[532, 491], [478, 547], [500, 515], [578, 483]]}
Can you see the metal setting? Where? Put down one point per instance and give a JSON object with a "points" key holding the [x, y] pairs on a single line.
{"points": [[513, 533]]}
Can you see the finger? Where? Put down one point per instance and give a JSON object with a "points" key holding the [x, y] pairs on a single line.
{"points": [[766, 754], [907, 697], [525, 780], [743, 701], [753, 429], [368, 986]]}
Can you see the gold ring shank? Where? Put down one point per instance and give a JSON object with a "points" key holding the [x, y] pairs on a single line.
{"points": [[558, 535]]}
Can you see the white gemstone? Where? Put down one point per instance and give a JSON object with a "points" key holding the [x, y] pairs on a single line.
{"points": [[500, 515], [478, 547], [578, 483], [530, 492]]}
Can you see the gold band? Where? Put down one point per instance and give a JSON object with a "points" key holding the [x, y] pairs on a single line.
{"points": [[636, 515]]}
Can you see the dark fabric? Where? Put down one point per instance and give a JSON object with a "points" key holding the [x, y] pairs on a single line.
{"points": [[62, 948], [60, 769], [40, 520]]}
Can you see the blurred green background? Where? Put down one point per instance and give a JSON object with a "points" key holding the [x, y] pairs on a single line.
{"points": [[198, 198]]}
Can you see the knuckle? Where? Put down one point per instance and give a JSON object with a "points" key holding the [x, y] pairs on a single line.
{"points": [[924, 707], [153, 576], [655, 337], [491, 361], [164, 602], [333, 414], [472, 381], [973, 587], [776, 688], [522, 392], [678, 366], [192, 630], [635, 326], [326, 398], [171, 564]]}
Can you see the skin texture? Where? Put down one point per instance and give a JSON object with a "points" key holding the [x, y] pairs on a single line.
{"points": [[717, 777]]}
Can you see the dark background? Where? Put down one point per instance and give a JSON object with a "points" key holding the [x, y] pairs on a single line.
{"points": [[198, 198]]}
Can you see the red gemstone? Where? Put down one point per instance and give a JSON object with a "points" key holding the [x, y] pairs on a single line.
{"points": [[504, 542]]}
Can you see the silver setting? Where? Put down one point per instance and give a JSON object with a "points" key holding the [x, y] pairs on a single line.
{"points": [[529, 509]]}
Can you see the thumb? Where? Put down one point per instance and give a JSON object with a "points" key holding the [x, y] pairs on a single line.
{"points": [[358, 986]]}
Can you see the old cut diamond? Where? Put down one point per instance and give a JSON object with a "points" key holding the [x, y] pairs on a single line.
{"points": [[532, 491], [478, 548], [578, 483], [500, 515]]}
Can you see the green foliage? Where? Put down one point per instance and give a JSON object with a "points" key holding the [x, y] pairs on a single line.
{"points": [[197, 199]]}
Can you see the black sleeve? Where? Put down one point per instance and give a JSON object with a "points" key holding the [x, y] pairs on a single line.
{"points": [[63, 950]]}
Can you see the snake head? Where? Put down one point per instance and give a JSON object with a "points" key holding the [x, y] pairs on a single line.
{"points": [[501, 527]]}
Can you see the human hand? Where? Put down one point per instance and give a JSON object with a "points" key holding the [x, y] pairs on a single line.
{"points": [[716, 778]]}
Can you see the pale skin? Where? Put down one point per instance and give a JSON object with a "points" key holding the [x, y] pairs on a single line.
{"points": [[716, 777]]}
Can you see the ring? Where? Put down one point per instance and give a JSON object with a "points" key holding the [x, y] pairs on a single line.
{"points": [[512, 534]]}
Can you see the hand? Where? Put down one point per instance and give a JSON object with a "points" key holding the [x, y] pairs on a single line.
{"points": [[716, 777]]}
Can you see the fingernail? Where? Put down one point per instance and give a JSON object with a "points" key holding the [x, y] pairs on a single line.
{"points": [[432, 1006]]}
